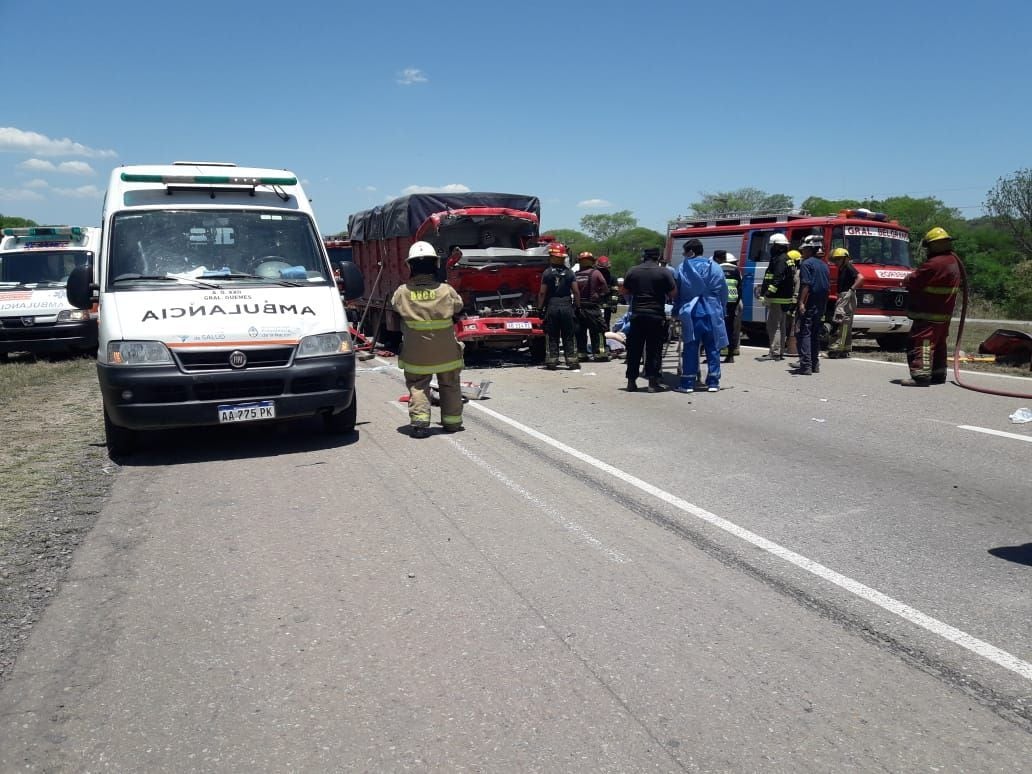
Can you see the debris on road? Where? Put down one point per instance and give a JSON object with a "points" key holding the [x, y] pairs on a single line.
{"points": [[1021, 416]]}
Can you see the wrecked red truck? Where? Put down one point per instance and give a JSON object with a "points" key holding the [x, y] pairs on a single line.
{"points": [[489, 250]]}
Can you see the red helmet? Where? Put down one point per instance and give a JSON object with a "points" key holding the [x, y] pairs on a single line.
{"points": [[557, 250], [603, 261]]}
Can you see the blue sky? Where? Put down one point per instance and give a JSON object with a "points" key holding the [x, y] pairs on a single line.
{"points": [[592, 106]]}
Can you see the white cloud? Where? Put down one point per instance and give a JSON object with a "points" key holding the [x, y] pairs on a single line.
{"points": [[450, 188], [37, 183], [20, 141], [82, 192], [68, 167], [369, 188], [411, 75], [594, 203], [19, 195]]}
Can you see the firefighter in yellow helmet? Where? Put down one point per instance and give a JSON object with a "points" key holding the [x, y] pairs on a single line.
{"points": [[427, 307], [794, 258], [849, 281], [932, 290]]}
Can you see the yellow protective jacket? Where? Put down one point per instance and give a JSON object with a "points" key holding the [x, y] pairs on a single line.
{"points": [[426, 306]]}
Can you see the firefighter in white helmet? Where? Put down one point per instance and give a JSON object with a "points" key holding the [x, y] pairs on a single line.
{"points": [[778, 284], [427, 308]]}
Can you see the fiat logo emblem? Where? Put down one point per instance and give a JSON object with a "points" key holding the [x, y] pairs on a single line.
{"points": [[237, 359]]}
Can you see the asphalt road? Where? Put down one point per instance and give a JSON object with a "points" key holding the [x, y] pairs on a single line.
{"points": [[818, 573]]}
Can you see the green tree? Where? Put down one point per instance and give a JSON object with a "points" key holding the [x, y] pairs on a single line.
{"points": [[1010, 203], [8, 221], [740, 200], [604, 226], [1019, 292], [624, 250], [815, 205], [575, 241]]}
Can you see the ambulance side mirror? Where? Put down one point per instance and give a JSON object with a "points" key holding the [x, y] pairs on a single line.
{"points": [[80, 287], [350, 281]]}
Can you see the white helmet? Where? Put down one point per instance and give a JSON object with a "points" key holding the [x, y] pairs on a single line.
{"points": [[421, 250], [813, 240], [731, 258], [778, 239]]}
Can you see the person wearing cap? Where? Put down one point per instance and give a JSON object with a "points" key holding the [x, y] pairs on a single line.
{"points": [[932, 290], [591, 325], [778, 284], [848, 282], [733, 313], [702, 297], [559, 296], [429, 347], [650, 285]]}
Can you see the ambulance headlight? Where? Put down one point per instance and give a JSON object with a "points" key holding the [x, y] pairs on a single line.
{"points": [[73, 315], [137, 353], [323, 344]]}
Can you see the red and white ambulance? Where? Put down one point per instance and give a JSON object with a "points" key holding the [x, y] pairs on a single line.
{"points": [[879, 247]]}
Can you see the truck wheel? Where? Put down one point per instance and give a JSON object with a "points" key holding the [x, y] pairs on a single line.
{"points": [[892, 342], [344, 421], [537, 349], [121, 441]]}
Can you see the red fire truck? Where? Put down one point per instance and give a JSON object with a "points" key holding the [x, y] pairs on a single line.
{"points": [[490, 253], [880, 250]]}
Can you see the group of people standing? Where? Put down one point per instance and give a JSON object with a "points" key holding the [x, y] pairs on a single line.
{"points": [[702, 294]]}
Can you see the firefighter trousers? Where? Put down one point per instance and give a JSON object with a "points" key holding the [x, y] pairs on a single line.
{"points": [[560, 323], [926, 351], [776, 327], [419, 398]]}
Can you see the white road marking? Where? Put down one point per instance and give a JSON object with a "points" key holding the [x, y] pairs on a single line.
{"points": [[963, 639], [553, 513], [1001, 433]]}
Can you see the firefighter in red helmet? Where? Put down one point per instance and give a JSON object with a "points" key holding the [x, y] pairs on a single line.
{"points": [[558, 296]]}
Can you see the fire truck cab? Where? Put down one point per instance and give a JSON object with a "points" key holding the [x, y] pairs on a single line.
{"points": [[879, 248]]}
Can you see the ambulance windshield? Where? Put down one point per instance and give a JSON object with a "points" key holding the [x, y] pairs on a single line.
{"points": [[871, 245], [226, 245], [40, 268]]}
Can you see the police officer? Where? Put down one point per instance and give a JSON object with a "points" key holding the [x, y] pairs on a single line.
{"points": [[651, 286], [427, 307], [733, 314], [558, 296]]}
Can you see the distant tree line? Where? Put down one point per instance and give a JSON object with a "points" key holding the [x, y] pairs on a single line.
{"points": [[996, 248]]}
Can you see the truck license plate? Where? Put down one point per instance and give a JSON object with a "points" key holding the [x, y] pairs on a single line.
{"points": [[518, 326], [247, 412]]}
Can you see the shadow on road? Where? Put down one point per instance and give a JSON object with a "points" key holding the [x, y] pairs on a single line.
{"points": [[206, 444], [1016, 554]]}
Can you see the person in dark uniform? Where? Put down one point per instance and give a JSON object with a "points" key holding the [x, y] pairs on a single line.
{"points": [[605, 267], [651, 285], [591, 326], [814, 286], [558, 297]]}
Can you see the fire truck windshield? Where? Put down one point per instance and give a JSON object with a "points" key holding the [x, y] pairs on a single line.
{"points": [[866, 245]]}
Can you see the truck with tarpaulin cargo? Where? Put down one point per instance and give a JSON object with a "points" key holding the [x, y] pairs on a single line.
{"points": [[35, 316], [879, 248], [489, 250]]}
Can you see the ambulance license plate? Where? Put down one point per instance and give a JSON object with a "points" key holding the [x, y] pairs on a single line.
{"points": [[518, 326], [247, 412]]}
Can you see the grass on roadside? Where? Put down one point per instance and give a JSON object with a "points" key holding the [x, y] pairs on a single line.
{"points": [[50, 414]]}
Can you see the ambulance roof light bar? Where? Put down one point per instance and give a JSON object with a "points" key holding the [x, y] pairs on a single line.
{"points": [[738, 217], [45, 231], [206, 180]]}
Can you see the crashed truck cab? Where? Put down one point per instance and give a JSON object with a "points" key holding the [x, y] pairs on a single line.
{"points": [[218, 303]]}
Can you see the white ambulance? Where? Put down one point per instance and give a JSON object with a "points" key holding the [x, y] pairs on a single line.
{"points": [[218, 304], [35, 315]]}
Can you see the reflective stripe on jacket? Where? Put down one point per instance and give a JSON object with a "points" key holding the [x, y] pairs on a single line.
{"points": [[427, 306], [933, 287]]}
